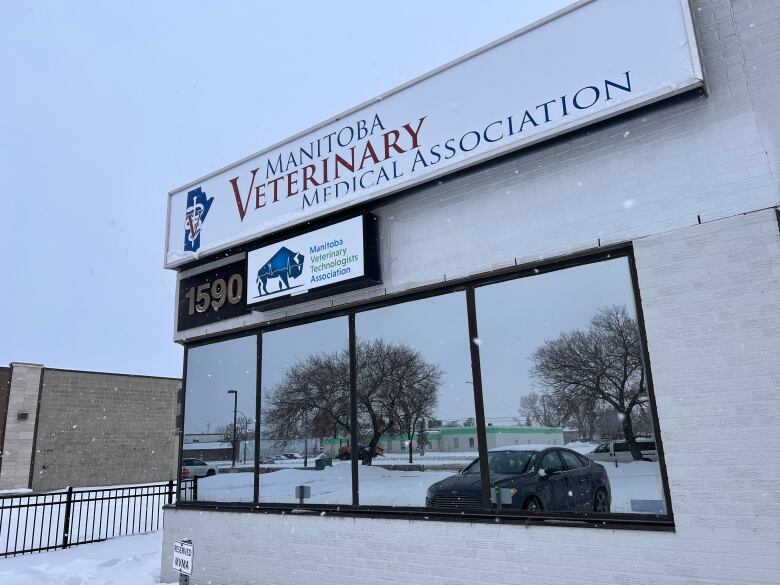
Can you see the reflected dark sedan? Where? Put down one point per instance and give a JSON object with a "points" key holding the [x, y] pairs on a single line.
{"points": [[536, 477]]}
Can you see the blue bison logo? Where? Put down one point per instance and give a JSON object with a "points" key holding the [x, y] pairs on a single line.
{"points": [[284, 265]]}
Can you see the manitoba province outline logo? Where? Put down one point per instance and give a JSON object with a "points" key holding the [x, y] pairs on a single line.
{"points": [[198, 205]]}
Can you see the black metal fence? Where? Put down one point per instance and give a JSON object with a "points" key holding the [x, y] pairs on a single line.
{"points": [[189, 490], [49, 521]]}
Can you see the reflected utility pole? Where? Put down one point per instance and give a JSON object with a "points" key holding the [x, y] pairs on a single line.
{"points": [[305, 440], [235, 430]]}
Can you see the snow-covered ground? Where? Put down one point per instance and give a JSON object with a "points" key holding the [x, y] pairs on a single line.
{"points": [[129, 560], [640, 480], [455, 459]]}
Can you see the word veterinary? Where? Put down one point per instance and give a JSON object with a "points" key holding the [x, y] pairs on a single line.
{"points": [[282, 182]]}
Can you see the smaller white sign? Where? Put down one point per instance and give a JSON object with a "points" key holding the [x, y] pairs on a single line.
{"points": [[182, 557], [300, 264]]}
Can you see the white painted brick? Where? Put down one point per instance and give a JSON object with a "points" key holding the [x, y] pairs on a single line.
{"points": [[718, 404]]}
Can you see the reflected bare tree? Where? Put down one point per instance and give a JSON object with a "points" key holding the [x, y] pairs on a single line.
{"points": [[600, 364], [396, 388], [540, 410], [311, 400], [418, 396]]}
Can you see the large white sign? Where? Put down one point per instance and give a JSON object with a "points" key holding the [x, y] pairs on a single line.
{"points": [[301, 264], [588, 62]]}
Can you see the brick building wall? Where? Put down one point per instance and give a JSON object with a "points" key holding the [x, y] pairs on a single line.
{"points": [[5, 389], [19, 437], [104, 429]]}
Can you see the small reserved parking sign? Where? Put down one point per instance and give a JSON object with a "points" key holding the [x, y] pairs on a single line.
{"points": [[183, 552]]}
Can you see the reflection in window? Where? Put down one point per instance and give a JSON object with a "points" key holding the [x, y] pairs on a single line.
{"points": [[561, 364], [220, 391], [305, 422], [415, 400]]}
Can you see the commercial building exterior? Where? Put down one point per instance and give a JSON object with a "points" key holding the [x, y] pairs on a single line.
{"points": [[74, 428], [620, 273]]}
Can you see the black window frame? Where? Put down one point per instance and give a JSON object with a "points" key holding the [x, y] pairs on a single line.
{"points": [[486, 513]]}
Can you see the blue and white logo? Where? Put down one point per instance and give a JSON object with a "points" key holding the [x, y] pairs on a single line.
{"points": [[283, 265], [198, 205], [298, 265]]}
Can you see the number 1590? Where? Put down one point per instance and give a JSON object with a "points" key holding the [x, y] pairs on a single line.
{"points": [[215, 294]]}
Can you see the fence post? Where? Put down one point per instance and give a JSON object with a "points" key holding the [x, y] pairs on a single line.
{"points": [[66, 524], [195, 489], [170, 491]]}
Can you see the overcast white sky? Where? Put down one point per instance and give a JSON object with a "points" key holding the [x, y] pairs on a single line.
{"points": [[106, 106]]}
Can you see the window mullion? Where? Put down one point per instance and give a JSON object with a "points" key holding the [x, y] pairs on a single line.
{"points": [[353, 431], [476, 374]]}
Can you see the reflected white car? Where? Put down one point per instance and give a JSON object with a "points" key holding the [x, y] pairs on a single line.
{"points": [[618, 451], [197, 468]]}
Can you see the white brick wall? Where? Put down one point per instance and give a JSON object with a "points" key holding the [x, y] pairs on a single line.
{"points": [[712, 311]]}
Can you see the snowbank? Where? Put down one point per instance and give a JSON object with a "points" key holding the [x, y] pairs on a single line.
{"points": [[129, 560]]}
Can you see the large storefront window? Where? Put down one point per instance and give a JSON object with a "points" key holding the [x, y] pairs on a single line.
{"points": [[219, 420], [416, 416], [558, 402], [562, 367], [305, 421]]}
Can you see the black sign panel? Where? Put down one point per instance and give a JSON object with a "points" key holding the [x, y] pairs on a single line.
{"points": [[213, 295]]}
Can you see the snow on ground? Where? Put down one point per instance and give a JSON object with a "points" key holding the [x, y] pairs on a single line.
{"points": [[129, 560], [454, 458], [458, 458], [639, 480]]}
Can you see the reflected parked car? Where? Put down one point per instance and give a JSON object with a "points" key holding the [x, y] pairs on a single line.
{"points": [[345, 452], [618, 451], [197, 468], [539, 478]]}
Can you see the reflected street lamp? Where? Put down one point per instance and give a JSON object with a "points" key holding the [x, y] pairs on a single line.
{"points": [[235, 430]]}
